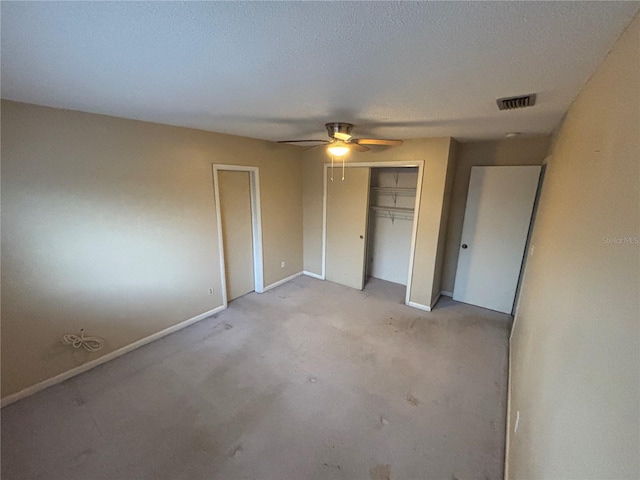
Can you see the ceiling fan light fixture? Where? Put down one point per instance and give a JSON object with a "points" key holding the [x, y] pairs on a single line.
{"points": [[341, 142], [338, 149]]}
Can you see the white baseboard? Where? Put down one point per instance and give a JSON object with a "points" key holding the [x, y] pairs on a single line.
{"points": [[280, 282], [446, 293], [419, 306], [14, 397], [314, 275]]}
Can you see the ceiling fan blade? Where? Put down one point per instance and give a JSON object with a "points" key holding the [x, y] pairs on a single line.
{"points": [[359, 148], [312, 147], [302, 141], [342, 136], [376, 141]]}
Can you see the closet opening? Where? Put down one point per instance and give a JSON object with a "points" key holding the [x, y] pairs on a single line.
{"points": [[392, 199], [370, 226]]}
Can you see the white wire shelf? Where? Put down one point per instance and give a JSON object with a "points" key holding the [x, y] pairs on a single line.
{"points": [[394, 213], [379, 208], [397, 191]]}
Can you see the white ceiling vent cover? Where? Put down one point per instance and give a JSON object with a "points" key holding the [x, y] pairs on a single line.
{"points": [[522, 101]]}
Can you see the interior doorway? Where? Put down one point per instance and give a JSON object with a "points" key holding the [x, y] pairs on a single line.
{"points": [[237, 234], [237, 199]]}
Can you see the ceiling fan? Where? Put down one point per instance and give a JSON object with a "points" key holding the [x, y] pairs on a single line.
{"points": [[341, 142]]}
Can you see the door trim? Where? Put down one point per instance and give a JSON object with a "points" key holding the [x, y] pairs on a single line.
{"points": [[416, 212], [256, 224]]}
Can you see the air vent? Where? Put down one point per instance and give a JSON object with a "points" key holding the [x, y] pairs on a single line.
{"points": [[511, 103]]}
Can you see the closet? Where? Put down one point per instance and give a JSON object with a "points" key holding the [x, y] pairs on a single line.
{"points": [[369, 223], [392, 198]]}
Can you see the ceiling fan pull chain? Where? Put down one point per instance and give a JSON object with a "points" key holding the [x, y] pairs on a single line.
{"points": [[332, 168]]}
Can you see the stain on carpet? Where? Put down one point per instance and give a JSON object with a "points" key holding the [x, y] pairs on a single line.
{"points": [[236, 451], [413, 400], [380, 472]]}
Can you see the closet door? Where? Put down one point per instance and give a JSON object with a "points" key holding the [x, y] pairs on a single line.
{"points": [[494, 235], [347, 208]]}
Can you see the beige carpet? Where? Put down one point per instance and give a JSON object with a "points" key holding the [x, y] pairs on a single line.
{"points": [[308, 381]]}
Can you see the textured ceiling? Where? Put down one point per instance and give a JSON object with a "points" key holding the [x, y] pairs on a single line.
{"points": [[281, 70]]}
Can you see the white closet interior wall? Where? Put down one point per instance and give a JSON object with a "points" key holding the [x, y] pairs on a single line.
{"points": [[392, 199]]}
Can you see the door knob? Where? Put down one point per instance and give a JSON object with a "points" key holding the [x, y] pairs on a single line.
{"points": [[361, 236], [464, 245]]}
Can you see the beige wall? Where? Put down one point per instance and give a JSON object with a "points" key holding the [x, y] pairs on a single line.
{"points": [[435, 153], [511, 151], [108, 225], [444, 220], [575, 352]]}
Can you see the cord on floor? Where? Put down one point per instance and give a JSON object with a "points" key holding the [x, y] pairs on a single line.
{"points": [[91, 344]]}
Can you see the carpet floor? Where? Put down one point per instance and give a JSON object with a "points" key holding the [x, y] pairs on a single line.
{"points": [[310, 380]]}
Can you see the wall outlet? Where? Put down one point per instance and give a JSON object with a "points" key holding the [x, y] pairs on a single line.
{"points": [[517, 422], [282, 264], [211, 291], [533, 247]]}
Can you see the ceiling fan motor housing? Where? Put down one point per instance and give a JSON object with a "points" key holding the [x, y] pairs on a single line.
{"points": [[338, 127]]}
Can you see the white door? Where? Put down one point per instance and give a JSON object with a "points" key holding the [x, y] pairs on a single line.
{"points": [[494, 235], [237, 231], [347, 205]]}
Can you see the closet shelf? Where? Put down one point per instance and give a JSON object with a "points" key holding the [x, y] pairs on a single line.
{"points": [[378, 208], [399, 191], [394, 213]]}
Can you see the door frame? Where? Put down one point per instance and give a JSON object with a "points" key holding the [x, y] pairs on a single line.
{"points": [[416, 211], [256, 225]]}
